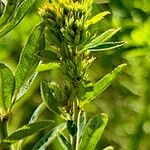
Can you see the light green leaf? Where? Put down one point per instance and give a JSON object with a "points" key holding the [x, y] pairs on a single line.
{"points": [[37, 112], [8, 12], [102, 84], [7, 86], [25, 131], [49, 137], [66, 145], [107, 46], [93, 132], [80, 125], [96, 18], [48, 98], [102, 38], [28, 61], [22, 11], [108, 148], [48, 66]]}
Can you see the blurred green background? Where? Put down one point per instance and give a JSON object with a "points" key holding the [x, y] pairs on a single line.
{"points": [[126, 101]]}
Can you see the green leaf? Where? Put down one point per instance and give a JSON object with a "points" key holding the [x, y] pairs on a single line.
{"points": [[37, 112], [47, 56], [108, 148], [93, 132], [96, 18], [102, 84], [71, 127], [24, 7], [48, 66], [80, 124], [102, 38], [49, 137], [8, 12], [7, 86], [107, 46], [28, 61], [66, 145], [48, 98], [25, 131]]}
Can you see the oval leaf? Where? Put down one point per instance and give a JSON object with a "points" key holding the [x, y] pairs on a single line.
{"points": [[7, 86], [25, 131], [102, 84], [93, 132], [28, 61], [48, 98], [49, 137]]}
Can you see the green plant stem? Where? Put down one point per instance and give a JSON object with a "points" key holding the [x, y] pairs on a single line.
{"points": [[3, 129], [75, 117]]}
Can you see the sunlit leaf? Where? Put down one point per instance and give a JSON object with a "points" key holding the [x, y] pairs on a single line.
{"points": [[108, 148], [48, 98], [66, 145], [28, 61], [93, 132], [37, 112], [22, 11], [102, 84], [102, 38], [25, 131], [48, 66], [49, 137], [7, 86], [96, 18]]}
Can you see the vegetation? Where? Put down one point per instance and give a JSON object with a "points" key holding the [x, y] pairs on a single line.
{"points": [[52, 86]]}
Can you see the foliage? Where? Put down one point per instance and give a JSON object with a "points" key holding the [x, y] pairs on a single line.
{"points": [[66, 29]]}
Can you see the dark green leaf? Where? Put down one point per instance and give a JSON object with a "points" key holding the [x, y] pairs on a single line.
{"points": [[25, 131], [49, 137], [71, 127], [102, 38], [48, 98], [93, 132], [28, 61], [22, 11], [107, 46], [48, 56], [7, 86], [66, 145], [102, 84]]}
